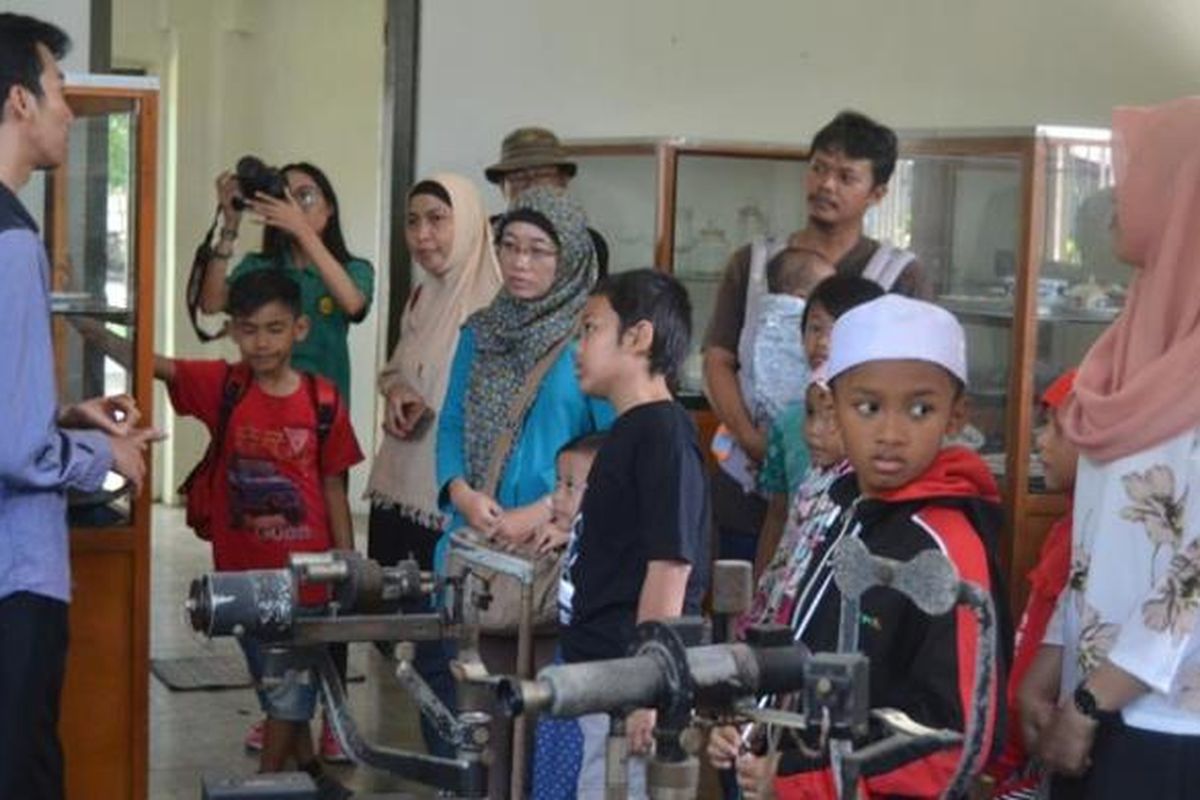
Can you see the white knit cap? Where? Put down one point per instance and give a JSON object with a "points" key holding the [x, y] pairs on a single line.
{"points": [[895, 328]]}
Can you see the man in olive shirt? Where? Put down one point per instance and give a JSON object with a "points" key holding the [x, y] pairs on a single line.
{"points": [[851, 163]]}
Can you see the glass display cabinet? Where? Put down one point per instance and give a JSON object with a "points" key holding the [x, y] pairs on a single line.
{"points": [[684, 206], [97, 214], [1011, 227]]}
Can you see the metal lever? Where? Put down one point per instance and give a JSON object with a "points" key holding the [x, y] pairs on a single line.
{"points": [[928, 579]]}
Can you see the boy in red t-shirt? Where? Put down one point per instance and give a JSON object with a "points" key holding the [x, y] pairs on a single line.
{"points": [[1031, 706], [281, 486]]}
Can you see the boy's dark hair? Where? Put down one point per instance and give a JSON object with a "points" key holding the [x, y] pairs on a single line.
{"points": [[255, 289], [840, 293], [793, 271], [655, 297], [858, 136], [20, 64], [586, 445]]}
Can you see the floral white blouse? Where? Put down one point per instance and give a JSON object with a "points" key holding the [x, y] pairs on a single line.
{"points": [[1134, 591]]}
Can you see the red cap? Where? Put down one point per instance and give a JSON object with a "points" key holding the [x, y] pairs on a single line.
{"points": [[1056, 394]]}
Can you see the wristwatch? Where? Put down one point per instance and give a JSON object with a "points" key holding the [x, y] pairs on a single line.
{"points": [[1085, 703]]}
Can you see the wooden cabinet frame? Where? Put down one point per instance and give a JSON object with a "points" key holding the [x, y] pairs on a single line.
{"points": [[105, 705]]}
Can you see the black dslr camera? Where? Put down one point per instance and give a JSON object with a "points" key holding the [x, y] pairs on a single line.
{"points": [[253, 176]]}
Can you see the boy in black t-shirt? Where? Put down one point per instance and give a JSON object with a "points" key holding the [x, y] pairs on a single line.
{"points": [[642, 537]]}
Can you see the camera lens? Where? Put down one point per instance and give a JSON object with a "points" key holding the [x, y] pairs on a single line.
{"points": [[254, 177], [250, 167]]}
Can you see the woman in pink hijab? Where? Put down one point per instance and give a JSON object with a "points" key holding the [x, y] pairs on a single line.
{"points": [[1125, 642]]}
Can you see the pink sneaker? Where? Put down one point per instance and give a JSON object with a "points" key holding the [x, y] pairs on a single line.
{"points": [[254, 737], [331, 749]]}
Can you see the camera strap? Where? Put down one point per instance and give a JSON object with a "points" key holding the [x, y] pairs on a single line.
{"points": [[195, 284]]}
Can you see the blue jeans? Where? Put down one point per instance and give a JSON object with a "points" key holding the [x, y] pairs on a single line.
{"points": [[292, 700]]}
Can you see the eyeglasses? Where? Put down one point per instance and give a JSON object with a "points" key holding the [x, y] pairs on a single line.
{"points": [[512, 250], [307, 196], [522, 179]]}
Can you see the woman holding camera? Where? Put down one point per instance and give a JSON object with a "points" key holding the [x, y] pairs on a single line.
{"points": [[302, 233]]}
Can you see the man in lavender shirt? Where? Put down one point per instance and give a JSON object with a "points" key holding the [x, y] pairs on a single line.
{"points": [[44, 449]]}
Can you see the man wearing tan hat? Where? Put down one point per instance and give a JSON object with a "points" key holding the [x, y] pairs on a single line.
{"points": [[531, 157]]}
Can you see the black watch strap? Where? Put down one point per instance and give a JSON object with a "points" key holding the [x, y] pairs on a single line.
{"points": [[1085, 703]]}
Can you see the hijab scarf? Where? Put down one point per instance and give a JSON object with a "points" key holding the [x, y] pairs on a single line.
{"points": [[512, 334], [403, 474], [1132, 391]]}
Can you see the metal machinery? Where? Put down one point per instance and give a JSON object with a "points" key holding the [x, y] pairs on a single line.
{"points": [[673, 668]]}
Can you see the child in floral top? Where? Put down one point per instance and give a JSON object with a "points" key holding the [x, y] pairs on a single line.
{"points": [[812, 513]]}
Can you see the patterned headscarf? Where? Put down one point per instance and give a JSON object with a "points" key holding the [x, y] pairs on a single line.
{"points": [[512, 334]]}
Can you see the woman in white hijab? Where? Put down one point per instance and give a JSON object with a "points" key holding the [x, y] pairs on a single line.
{"points": [[448, 235]]}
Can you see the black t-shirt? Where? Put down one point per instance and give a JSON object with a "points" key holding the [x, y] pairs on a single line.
{"points": [[646, 500]]}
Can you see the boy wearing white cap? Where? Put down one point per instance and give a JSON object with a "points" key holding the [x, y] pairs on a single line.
{"points": [[898, 371]]}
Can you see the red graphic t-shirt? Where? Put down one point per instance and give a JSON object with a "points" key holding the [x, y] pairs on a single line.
{"points": [[271, 501]]}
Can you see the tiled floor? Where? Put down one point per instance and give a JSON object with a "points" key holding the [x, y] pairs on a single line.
{"points": [[193, 733]]}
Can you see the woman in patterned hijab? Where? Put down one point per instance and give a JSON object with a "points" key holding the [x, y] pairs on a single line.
{"points": [[548, 265], [517, 329]]}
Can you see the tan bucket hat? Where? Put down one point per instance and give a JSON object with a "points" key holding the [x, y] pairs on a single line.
{"points": [[526, 148]]}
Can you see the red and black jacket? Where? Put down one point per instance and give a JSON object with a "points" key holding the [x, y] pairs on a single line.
{"points": [[921, 665]]}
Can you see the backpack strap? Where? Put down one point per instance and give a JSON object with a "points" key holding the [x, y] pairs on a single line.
{"points": [[886, 266], [234, 384], [237, 382], [325, 400]]}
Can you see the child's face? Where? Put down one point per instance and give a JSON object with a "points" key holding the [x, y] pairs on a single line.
{"points": [[1058, 455], [821, 431], [893, 416], [817, 329], [572, 472], [266, 337], [607, 358]]}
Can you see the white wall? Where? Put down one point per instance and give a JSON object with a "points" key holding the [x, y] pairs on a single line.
{"points": [[73, 16], [286, 80], [774, 70]]}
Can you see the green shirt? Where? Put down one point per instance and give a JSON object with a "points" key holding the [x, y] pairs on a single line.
{"points": [[324, 351], [787, 453]]}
